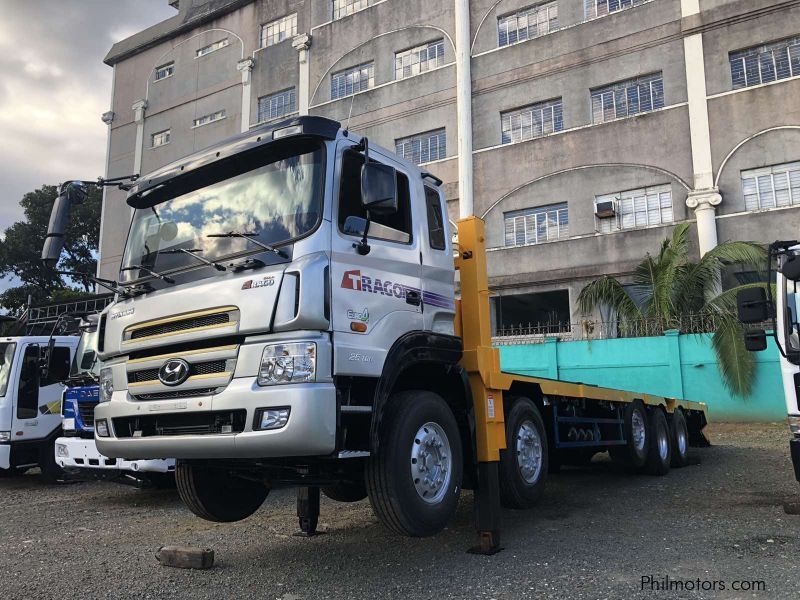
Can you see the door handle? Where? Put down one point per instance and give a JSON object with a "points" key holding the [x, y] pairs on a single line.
{"points": [[414, 298]]}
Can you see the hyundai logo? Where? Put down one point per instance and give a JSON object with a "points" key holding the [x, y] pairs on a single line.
{"points": [[173, 372]]}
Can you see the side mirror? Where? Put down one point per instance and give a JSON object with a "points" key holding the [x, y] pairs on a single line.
{"points": [[755, 341], [73, 192], [791, 268], [751, 305], [379, 188]]}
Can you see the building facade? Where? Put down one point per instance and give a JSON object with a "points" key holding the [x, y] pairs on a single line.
{"points": [[597, 125]]}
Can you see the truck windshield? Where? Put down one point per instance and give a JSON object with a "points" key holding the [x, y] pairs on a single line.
{"points": [[6, 360], [275, 203], [792, 317], [85, 360]]}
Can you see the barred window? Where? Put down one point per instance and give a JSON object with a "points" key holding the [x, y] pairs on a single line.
{"points": [[418, 60], [532, 121], [160, 138], [528, 23], [277, 105], [771, 187], [598, 8], [626, 98], [536, 225], [164, 71], [353, 80], [423, 147], [210, 118], [278, 30], [637, 208], [342, 8], [762, 64], [212, 47]]}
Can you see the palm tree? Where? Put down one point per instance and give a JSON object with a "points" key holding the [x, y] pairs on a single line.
{"points": [[670, 286]]}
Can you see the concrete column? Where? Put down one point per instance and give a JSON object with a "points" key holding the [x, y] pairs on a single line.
{"points": [[302, 43], [246, 68], [704, 203], [138, 117], [464, 108]]}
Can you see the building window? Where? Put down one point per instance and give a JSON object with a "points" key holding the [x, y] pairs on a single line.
{"points": [[353, 80], [532, 121], [277, 105], [598, 8], [278, 30], [160, 138], [342, 8], [212, 47], [206, 119], [418, 60], [771, 187], [762, 64], [631, 97], [164, 71], [536, 225], [637, 208], [527, 23], [424, 147]]}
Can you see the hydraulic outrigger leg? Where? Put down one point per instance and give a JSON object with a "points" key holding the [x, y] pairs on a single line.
{"points": [[481, 360], [308, 510]]}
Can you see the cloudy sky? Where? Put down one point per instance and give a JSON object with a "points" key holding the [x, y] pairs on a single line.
{"points": [[54, 87]]}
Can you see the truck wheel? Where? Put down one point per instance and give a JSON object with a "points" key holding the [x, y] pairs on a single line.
{"points": [[414, 481], [216, 495], [523, 465], [346, 492], [679, 433], [659, 455], [635, 426], [51, 472]]}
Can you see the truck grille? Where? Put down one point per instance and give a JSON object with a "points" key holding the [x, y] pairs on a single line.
{"points": [[204, 368], [208, 423], [171, 395], [178, 326], [86, 411]]}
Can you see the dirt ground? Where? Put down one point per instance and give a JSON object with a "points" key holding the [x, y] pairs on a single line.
{"points": [[598, 533]]}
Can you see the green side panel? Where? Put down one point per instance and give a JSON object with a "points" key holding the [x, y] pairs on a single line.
{"points": [[673, 365]]}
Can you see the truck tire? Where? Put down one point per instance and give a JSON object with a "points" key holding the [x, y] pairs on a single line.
{"points": [[215, 494], [414, 481], [346, 491], [524, 463], [633, 455], [51, 472], [659, 455], [679, 433]]}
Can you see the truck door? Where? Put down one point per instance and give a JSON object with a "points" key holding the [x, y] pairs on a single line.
{"points": [[36, 414], [376, 297]]}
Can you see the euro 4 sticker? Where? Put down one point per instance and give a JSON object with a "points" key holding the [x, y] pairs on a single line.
{"points": [[358, 315]]}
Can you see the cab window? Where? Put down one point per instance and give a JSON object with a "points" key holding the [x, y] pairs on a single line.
{"points": [[395, 228], [435, 219], [28, 391]]}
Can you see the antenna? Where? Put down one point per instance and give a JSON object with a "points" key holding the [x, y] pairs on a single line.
{"points": [[350, 114]]}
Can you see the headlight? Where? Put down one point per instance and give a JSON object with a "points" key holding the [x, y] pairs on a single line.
{"points": [[106, 384], [794, 426], [5, 436], [62, 451], [101, 428], [68, 424], [288, 363]]}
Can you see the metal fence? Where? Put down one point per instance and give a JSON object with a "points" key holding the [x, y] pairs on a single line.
{"points": [[533, 333]]}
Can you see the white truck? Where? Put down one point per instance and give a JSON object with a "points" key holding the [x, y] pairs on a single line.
{"points": [[757, 305], [287, 316], [30, 401]]}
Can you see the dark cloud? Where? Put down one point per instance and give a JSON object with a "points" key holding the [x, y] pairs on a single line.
{"points": [[54, 87]]}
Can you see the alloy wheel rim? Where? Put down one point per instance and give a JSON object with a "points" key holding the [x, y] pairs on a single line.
{"points": [[638, 430], [431, 463], [529, 452]]}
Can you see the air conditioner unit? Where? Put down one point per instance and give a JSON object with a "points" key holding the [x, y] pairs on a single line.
{"points": [[605, 210]]}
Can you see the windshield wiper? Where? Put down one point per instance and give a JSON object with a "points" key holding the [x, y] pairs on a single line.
{"points": [[191, 252], [249, 237], [164, 278]]}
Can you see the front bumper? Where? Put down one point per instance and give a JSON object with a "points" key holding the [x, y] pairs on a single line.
{"points": [[83, 454], [5, 456], [794, 446], [310, 431]]}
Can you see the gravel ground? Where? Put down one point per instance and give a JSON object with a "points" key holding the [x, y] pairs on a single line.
{"points": [[595, 535]]}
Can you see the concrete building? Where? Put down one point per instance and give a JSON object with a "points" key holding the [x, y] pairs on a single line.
{"points": [[596, 124]]}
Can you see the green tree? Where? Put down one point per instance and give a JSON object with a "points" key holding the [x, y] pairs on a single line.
{"points": [[670, 285], [21, 246]]}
